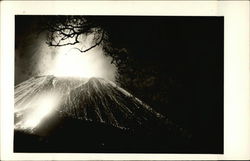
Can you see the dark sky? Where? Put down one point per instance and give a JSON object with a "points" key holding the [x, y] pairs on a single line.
{"points": [[176, 66], [187, 55]]}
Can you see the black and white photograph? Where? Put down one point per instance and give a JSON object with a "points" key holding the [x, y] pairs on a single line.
{"points": [[118, 84], [124, 80]]}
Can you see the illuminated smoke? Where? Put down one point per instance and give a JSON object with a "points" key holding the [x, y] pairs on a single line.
{"points": [[40, 59]]}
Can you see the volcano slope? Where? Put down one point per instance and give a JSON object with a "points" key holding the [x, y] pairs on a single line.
{"points": [[64, 114]]}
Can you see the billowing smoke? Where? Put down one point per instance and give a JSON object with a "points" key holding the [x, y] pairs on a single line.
{"points": [[34, 57]]}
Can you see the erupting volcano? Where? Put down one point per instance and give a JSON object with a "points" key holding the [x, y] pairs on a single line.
{"points": [[62, 114], [118, 84]]}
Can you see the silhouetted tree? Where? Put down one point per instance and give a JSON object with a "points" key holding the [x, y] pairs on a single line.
{"points": [[65, 30]]}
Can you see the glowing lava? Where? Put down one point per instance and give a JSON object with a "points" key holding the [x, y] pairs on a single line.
{"points": [[36, 110], [91, 100]]}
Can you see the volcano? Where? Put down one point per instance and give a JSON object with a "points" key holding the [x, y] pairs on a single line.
{"points": [[67, 114]]}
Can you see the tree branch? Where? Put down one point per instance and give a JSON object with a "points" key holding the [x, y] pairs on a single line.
{"points": [[96, 44], [63, 32]]}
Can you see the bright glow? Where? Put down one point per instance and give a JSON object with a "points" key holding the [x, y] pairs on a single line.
{"points": [[73, 63], [38, 110]]}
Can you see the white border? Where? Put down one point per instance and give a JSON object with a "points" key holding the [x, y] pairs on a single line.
{"points": [[236, 75]]}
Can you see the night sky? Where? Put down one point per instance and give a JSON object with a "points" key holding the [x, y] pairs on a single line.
{"points": [[175, 65]]}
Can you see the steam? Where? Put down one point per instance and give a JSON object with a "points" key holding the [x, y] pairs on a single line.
{"points": [[35, 57]]}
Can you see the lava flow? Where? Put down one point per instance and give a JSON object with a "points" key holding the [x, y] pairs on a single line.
{"points": [[94, 100], [58, 114]]}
